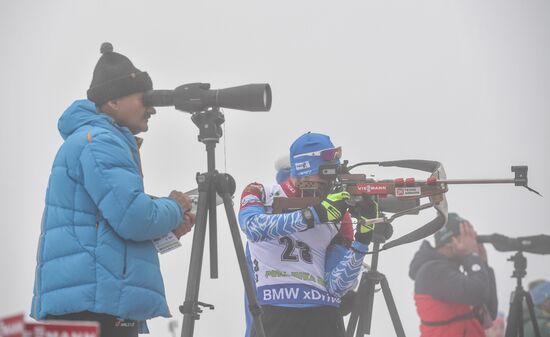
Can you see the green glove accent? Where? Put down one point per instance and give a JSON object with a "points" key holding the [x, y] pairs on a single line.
{"points": [[363, 232], [364, 229], [364, 226], [333, 207]]}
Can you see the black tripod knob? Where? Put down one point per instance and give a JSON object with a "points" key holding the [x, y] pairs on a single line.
{"points": [[225, 184]]}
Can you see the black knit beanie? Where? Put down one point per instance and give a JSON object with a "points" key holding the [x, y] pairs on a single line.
{"points": [[450, 230], [115, 76]]}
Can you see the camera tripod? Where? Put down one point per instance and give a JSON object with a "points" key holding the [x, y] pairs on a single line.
{"points": [[361, 315], [514, 323], [209, 184]]}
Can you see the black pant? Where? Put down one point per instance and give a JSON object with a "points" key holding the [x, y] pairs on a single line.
{"points": [[302, 322], [110, 325]]}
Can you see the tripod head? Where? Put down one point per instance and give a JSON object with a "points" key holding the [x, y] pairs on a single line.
{"points": [[209, 123], [520, 265]]}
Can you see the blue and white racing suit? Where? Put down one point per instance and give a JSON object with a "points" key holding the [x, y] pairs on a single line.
{"points": [[293, 266]]}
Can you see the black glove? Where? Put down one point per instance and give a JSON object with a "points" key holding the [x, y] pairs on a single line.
{"points": [[364, 230], [365, 211], [333, 207]]}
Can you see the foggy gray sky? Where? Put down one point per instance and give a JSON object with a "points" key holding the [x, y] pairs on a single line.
{"points": [[463, 82]]}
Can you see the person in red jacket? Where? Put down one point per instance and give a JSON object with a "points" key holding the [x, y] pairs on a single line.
{"points": [[455, 291]]}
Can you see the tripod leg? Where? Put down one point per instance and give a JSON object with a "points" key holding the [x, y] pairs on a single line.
{"points": [[519, 319], [391, 307], [359, 300], [371, 279], [213, 232], [189, 307], [532, 316], [255, 309], [352, 323], [514, 315], [365, 317]]}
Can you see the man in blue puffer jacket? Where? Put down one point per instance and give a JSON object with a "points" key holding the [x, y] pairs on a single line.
{"points": [[96, 260]]}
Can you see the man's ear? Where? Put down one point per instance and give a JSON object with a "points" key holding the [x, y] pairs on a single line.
{"points": [[110, 106], [113, 104]]}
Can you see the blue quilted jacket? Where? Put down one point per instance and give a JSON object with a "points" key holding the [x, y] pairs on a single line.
{"points": [[95, 251]]}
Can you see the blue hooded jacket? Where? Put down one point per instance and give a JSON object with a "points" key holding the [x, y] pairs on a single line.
{"points": [[95, 251]]}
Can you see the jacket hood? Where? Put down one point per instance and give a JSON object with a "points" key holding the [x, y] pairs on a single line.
{"points": [[425, 254], [80, 113]]}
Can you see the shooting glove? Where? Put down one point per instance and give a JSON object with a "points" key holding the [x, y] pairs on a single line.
{"points": [[368, 209], [333, 207], [363, 233]]}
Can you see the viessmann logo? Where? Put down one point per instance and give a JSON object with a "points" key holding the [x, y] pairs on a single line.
{"points": [[372, 188]]}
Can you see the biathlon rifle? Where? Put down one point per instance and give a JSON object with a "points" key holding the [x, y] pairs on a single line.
{"points": [[398, 196]]}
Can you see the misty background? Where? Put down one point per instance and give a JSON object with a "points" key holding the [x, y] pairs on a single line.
{"points": [[466, 83]]}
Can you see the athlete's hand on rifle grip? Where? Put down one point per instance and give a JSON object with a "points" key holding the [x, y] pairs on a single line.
{"points": [[364, 211], [182, 199], [363, 231], [333, 207]]}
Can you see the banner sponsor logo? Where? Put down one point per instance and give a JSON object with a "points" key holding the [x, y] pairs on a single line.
{"points": [[295, 294]]}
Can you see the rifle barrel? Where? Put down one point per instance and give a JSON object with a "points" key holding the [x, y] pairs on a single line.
{"points": [[476, 181]]}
